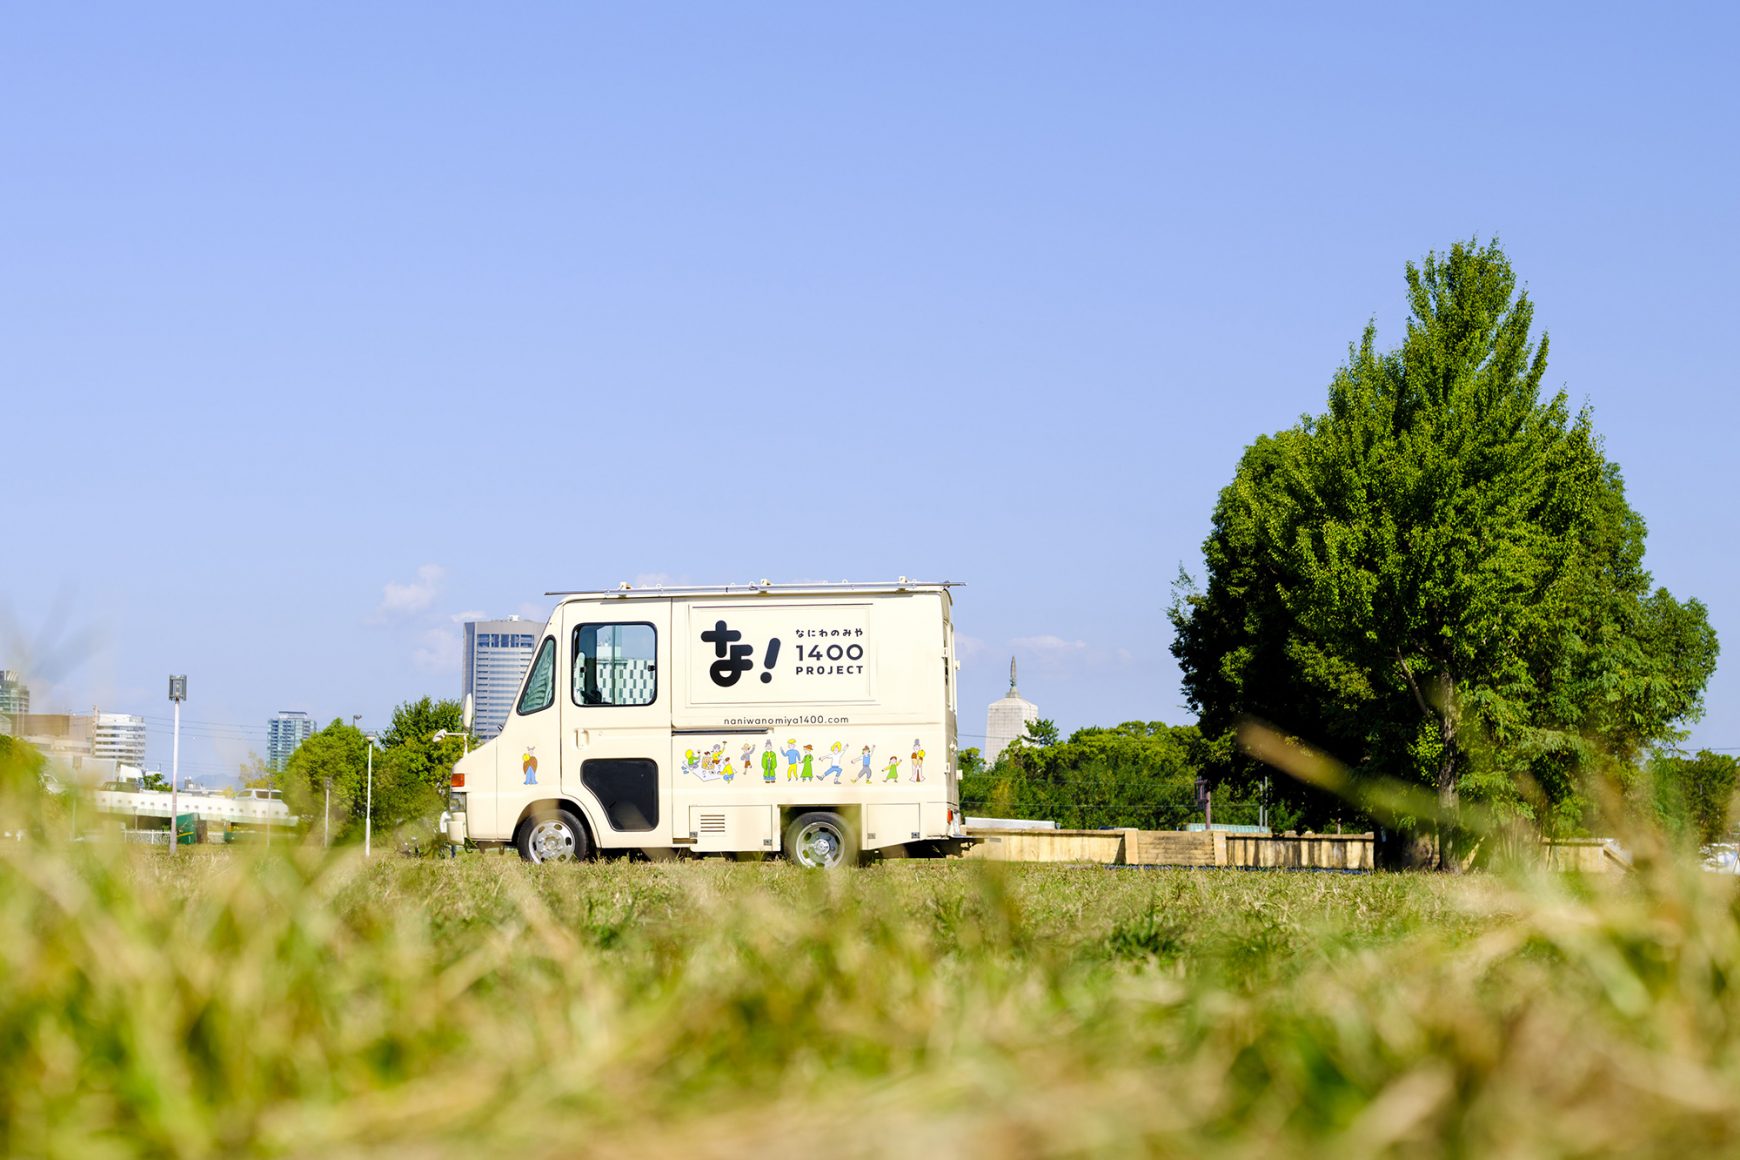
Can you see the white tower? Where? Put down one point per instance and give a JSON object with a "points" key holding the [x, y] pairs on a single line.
{"points": [[1007, 719]]}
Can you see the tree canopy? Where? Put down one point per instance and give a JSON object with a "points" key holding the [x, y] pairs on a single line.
{"points": [[1693, 795], [1439, 578]]}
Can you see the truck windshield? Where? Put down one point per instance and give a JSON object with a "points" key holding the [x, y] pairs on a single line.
{"points": [[540, 688]]}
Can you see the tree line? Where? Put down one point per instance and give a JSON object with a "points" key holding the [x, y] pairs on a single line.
{"points": [[1144, 774]]}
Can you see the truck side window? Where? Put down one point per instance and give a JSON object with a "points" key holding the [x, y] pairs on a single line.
{"points": [[614, 664], [540, 688]]}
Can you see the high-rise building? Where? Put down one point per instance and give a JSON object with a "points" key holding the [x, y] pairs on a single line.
{"points": [[1007, 719], [70, 742], [497, 653], [63, 732], [14, 694], [119, 737], [284, 733]]}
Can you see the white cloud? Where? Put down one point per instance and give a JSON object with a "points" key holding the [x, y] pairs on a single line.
{"points": [[407, 599], [1049, 646], [655, 580], [969, 649], [1050, 653], [439, 650]]}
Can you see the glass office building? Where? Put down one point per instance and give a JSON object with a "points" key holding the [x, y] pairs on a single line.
{"points": [[284, 733], [497, 653]]}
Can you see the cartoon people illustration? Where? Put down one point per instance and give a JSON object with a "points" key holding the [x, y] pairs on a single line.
{"points": [[917, 760], [834, 752], [529, 763], [868, 756], [793, 755], [746, 759], [725, 768], [769, 761], [893, 768], [691, 763], [809, 773]]}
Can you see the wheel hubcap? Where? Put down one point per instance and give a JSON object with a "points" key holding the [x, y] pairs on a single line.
{"points": [[819, 845], [552, 842]]}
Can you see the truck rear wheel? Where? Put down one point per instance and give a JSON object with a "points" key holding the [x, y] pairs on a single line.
{"points": [[820, 840], [553, 836]]}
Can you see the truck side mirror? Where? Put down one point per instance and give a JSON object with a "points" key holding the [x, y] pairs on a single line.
{"points": [[465, 713]]}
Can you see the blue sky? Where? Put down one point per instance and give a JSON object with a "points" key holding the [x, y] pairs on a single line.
{"points": [[324, 325]]}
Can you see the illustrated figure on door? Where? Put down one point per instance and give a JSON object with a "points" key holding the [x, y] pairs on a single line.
{"points": [[529, 764]]}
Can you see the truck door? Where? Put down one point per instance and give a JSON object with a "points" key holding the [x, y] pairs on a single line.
{"points": [[616, 720]]}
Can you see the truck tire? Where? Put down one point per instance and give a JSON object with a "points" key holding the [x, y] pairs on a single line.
{"points": [[820, 840], [554, 835]]}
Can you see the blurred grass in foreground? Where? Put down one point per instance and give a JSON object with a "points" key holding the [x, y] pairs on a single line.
{"points": [[244, 1003]]}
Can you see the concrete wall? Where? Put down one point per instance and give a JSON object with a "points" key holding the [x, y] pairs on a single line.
{"points": [[1175, 848], [1355, 852], [1302, 852], [1104, 847], [1584, 855]]}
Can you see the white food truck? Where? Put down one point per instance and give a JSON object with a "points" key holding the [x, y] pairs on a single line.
{"points": [[813, 720]]}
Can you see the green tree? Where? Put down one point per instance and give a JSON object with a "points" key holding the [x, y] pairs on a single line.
{"points": [[1693, 796], [256, 774], [417, 722], [1439, 577], [1140, 773], [28, 800], [412, 775], [1041, 732], [333, 758]]}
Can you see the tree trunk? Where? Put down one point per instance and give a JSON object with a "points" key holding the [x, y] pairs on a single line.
{"points": [[1449, 772]]}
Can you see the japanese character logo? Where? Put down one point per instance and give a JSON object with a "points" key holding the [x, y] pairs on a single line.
{"points": [[733, 659]]}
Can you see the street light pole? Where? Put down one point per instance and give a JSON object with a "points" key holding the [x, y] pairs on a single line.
{"points": [[177, 694], [369, 803]]}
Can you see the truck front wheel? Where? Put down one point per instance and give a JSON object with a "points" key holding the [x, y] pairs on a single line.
{"points": [[820, 840], [553, 836]]}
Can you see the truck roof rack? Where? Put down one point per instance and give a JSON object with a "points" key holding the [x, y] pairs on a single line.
{"points": [[901, 585]]}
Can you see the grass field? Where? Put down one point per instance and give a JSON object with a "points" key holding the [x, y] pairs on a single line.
{"points": [[244, 1003]]}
